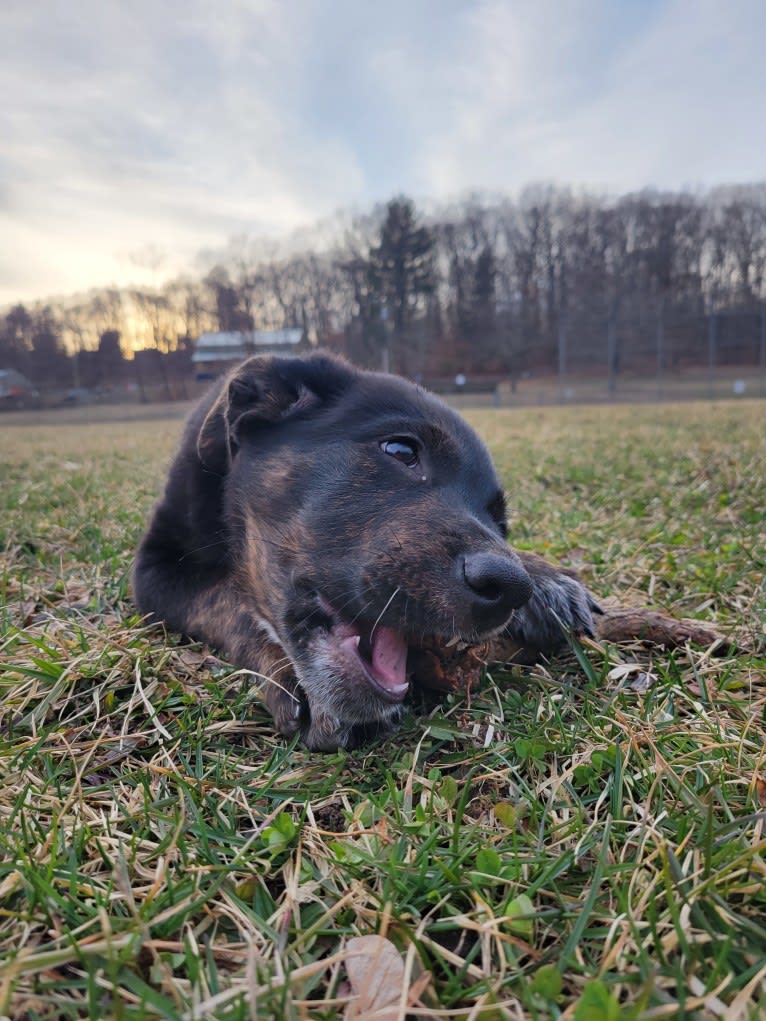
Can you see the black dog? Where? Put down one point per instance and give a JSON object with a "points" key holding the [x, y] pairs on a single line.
{"points": [[318, 522]]}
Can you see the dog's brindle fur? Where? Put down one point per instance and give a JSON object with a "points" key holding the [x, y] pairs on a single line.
{"points": [[317, 521]]}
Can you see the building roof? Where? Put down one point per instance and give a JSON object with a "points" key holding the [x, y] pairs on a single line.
{"points": [[213, 347]]}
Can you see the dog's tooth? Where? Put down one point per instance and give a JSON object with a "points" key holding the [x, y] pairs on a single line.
{"points": [[451, 642]]}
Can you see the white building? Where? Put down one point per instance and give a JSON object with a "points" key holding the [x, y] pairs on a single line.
{"points": [[215, 353]]}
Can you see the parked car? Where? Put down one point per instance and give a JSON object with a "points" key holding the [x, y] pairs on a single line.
{"points": [[16, 391], [79, 395]]}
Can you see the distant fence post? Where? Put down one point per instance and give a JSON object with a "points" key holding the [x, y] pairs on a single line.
{"points": [[712, 337], [76, 368], [660, 348], [611, 350], [562, 356]]}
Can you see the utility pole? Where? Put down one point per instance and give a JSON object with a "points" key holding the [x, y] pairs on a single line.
{"points": [[660, 347], [712, 330], [611, 349], [562, 355], [763, 348]]}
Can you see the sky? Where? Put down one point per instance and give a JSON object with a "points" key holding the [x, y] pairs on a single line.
{"points": [[135, 134]]}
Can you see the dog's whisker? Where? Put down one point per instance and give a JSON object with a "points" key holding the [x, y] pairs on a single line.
{"points": [[199, 549], [394, 594], [361, 612], [281, 665], [397, 540], [283, 546], [275, 683], [266, 678]]}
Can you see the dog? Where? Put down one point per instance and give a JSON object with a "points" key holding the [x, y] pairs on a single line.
{"points": [[319, 522]]}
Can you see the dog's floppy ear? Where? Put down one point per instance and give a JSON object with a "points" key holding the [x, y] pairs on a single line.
{"points": [[266, 389]]}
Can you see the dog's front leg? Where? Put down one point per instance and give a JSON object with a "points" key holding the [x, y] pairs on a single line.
{"points": [[283, 697], [250, 648], [560, 604], [221, 616]]}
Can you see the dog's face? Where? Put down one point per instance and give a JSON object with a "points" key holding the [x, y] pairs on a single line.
{"points": [[364, 515]]}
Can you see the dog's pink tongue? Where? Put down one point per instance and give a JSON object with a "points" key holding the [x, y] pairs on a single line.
{"points": [[389, 657]]}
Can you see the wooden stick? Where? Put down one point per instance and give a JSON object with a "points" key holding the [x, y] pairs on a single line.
{"points": [[455, 668]]}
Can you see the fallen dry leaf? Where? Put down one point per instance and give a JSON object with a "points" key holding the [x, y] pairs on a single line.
{"points": [[623, 671], [26, 611], [642, 679], [695, 688], [77, 594], [642, 682], [760, 791], [375, 970], [108, 619], [194, 660]]}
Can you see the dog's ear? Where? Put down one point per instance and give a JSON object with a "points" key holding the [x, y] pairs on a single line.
{"points": [[265, 389]]}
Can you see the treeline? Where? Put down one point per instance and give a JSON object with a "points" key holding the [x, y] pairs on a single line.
{"points": [[554, 282]]}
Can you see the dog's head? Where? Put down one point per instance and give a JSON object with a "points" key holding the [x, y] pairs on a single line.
{"points": [[363, 515]]}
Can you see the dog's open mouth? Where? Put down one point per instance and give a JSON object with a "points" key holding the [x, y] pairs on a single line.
{"points": [[380, 655], [369, 652]]}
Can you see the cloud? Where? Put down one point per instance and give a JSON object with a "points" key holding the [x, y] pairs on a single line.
{"points": [[132, 129], [181, 124], [600, 94]]}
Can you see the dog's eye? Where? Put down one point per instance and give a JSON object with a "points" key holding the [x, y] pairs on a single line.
{"points": [[402, 448]]}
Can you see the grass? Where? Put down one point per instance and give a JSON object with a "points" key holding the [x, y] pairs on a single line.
{"points": [[585, 839]]}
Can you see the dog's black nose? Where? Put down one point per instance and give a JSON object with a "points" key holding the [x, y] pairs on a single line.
{"points": [[499, 583]]}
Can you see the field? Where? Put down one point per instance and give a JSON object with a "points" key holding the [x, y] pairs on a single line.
{"points": [[584, 839]]}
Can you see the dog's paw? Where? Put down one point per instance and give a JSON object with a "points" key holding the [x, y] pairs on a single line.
{"points": [[560, 605], [323, 732], [320, 731], [287, 706], [368, 733]]}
